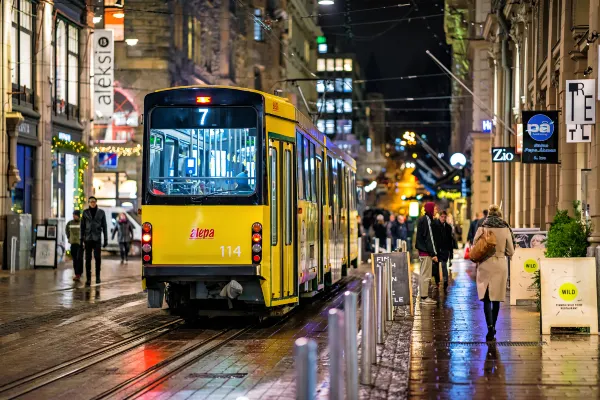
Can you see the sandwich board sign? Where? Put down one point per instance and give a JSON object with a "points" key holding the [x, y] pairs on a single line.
{"points": [[401, 277], [525, 262]]}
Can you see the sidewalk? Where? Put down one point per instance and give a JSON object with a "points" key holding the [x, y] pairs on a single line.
{"points": [[450, 359], [33, 293]]}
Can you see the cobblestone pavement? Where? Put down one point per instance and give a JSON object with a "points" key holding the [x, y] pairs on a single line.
{"points": [[450, 359]]}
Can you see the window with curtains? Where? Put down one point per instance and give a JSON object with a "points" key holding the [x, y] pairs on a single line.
{"points": [[22, 51], [66, 73]]}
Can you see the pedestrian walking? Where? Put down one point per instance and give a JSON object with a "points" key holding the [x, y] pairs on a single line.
{"points": [[482, 220], [425, 244], [74, 237], [125, 230], [399, 230], [444, 239], [93, 230], [472, 228], [380, 230], [492, 272]]}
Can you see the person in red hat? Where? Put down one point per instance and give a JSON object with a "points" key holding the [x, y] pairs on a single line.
{"points": [[425, 244]]}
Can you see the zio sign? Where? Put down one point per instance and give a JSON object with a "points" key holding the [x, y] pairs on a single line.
{"points": [[503, 154]]}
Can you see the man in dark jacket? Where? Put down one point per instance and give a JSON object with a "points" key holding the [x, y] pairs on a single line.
{"points": [[93, 226], [425, 243], [480, 222], [472, 228], [399, 230], [442, 233]]}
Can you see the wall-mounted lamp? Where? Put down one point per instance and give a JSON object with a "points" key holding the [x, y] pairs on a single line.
{"points": [[131, 42]]}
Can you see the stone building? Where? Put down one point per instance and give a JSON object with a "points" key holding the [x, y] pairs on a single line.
{"points": [[45, 86], [161, 44], [534, 47]]}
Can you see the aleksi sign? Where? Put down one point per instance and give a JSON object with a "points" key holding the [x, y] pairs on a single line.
{"points": [[540, 139], [104, 74], [580, 103], [503, 154], [579, 133]]}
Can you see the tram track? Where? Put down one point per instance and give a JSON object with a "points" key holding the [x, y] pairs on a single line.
{"points": [[76, 365]]}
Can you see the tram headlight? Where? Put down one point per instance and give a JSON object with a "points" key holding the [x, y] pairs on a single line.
{"points": [[256, 258], [146, 248], [146, 258], [256, 227], [257, 248], [146, 237]]}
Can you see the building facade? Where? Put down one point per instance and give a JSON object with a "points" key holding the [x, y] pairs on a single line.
{"points": [[46, 114], [534, 48]]}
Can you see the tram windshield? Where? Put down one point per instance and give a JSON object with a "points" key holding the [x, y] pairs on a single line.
{"points": [[202, 151]]}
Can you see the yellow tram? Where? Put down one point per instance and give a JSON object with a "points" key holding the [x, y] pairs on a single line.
{"points": [[246, 206]]}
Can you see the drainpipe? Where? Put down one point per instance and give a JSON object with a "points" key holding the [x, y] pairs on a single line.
{"points": [[507, 109]]}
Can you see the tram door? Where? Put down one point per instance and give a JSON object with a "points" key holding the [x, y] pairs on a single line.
{"points": [[281, 201], [320, 200]]}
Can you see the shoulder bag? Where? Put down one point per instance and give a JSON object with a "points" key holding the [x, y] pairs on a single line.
{"points": [[484, 247]]}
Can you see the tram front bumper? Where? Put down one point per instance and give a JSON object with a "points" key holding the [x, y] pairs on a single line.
{"points": [[167, 273]]}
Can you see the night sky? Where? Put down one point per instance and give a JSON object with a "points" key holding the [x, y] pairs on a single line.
{"points": [[394, 49]]}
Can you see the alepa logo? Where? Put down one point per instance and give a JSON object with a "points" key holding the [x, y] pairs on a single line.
{"points": [[199, 233], [540, 127]]}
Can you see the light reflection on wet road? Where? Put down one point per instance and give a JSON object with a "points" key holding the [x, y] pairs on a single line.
{"points": [[450, 359]]}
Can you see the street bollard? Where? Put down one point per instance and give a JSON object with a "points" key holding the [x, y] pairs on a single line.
{"points": [[336, 351], [376, 245], [380, 292], [368, 338], [373, 320], [388, 285], [359, 252], [399, 244], [306, 368], [351, 347], [388, 245], [404, 246]]}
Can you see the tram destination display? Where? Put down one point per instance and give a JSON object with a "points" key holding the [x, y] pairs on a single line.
{"points": [[401, 287], [540, 139]]}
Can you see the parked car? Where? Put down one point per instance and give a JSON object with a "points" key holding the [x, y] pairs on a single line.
{"points": [[112, 214]]}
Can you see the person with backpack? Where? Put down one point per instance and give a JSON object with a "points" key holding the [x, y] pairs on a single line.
{"points": [[428, 253], [492, 270]]}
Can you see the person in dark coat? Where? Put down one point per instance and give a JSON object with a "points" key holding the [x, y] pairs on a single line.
{"points": [[399, 230], [444, 239], [93, 230], [381, 231], [472, 229], [482, 220], [425, 243], [125, 231]]}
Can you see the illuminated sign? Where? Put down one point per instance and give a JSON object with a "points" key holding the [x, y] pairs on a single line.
{"points": [[486, 125], [203, 99], [442, 194], [369, 145], [64, 136], [413, 209], [322, 48], [519, 130], [458, 160]]}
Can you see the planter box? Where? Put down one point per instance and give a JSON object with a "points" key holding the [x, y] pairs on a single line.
{"points": [[569, 294], [522, 266]]}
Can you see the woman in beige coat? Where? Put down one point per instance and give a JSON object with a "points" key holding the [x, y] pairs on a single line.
{"points": [[492, 273]]}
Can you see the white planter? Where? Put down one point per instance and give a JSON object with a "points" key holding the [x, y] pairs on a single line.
{"points": [[569, 294]]}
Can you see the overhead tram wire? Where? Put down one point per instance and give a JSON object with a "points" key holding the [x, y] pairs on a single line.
{"points": [[358, 11], [424, 17]]}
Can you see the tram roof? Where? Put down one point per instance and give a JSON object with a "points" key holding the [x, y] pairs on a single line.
{"points": [[302, 120]]}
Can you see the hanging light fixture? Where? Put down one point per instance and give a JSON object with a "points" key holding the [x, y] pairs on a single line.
{"points": [[326, 2], [131, 41]]}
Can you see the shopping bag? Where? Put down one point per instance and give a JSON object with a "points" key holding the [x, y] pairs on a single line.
{"points": [[467, 252]]}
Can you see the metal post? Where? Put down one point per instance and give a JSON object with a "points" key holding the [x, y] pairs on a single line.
{"points": [[351, 352], [376, 245], [380, 292], [306, 368], [373, 320], [336, 351], [359, 251], [388, 245], [399, 244], [404, 245], [388, 285], [367, 334]]}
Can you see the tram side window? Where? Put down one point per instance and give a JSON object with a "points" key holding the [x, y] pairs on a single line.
{"points": [[330, 180], [313, 176], [274, 183], [299, 150], [306, 162], [288, 197]]}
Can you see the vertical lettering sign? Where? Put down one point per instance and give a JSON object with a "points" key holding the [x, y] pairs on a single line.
{"points": [[579, 133], [401, 282], [540, 137], [580, 105], [104, 74]]}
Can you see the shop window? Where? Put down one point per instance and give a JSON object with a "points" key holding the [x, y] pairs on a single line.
{"points": [[339, 85], [22, 54], [339, 64], [258, 22], [320, 64], [329, 86], [339, 106], [321, 125], [330, 64], [67, 69], [347, 64]]}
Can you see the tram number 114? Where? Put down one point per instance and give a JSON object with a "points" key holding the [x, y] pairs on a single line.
{"points": [[227, 252]]}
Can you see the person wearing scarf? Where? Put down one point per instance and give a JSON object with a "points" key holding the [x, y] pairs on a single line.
{"points": [[492, 273]]}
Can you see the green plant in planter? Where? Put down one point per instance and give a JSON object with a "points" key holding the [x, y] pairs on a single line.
{"points": [[567, 237]]}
